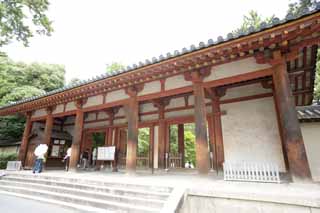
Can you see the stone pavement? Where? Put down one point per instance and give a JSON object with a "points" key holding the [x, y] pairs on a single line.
{"points": [[8, 204], [212, 185]]}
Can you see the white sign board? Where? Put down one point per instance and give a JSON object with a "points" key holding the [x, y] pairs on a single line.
{"points": [[106, 153]]}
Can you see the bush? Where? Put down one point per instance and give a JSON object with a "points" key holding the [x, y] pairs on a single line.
{"points": [[5, 157]]}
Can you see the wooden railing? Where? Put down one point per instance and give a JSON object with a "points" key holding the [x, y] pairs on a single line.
{"points": [[175, 160], [142, 161]]}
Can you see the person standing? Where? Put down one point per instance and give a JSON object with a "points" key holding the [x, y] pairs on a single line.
{"points": [[66, 159], [85, 158], [94, 156]]}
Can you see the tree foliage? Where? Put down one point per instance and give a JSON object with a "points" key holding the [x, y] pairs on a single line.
{"points": [[253, 19], [114, 66], [19, 81], [20, 19], [296, 8]]}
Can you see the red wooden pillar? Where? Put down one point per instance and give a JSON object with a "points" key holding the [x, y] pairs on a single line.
{"points": [[202, 152], [162, 131], [117, 145], [25, 138], [181, 142], [217, 127], [48, 127], [212, 142], [78, 128], [151, 146], [292, 136], [132, 114]]}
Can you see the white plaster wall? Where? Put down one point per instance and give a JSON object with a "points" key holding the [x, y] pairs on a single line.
{"points": [[179, 113], [235, 68], [70, 106], [96, 124], [250, 132], [116, 96], [147, 108], [311, 137], [90, 116], [39, 113], [151, 87], [176, 102], [247, 90], [176, 82], [94, 100], [120, 121], [58, 109], [149, 117], [102, 115]]}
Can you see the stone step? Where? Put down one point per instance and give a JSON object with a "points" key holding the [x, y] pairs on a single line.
{"points": [[133, 200], [79, 200], [154, 188], [103, 189], [76, 207]]}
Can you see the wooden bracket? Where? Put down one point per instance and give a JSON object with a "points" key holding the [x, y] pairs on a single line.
{"points": [[215, 93], [197, 76], [50, 109], [277, 57], [161, 102], [80, 102], [134, 90]]}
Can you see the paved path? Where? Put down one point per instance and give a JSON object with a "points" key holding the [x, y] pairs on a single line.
{"points": [[11, 204]]}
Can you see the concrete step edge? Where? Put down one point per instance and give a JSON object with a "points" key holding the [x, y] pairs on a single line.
{"points": [[90, 186], [35, 185], [85, 199], [72, 206], [160, 188]]}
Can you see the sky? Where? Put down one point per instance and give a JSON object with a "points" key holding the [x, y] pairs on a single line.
{"points": [[89, 34]]}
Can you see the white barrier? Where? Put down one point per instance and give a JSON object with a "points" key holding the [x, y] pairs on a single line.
{"points": [[14, 165], [256, 172]]}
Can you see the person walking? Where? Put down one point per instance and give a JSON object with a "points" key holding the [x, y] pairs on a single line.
{"points": [[40, 152]]}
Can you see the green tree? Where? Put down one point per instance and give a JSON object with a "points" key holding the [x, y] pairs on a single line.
{"points": [[19, 81], [20, 19], [296, 8], [114, 66], [74, 81], [253, 19], [143, 141]]}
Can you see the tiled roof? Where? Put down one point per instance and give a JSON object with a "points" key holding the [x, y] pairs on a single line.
{"points": [[309, 113], [176, 53]]}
